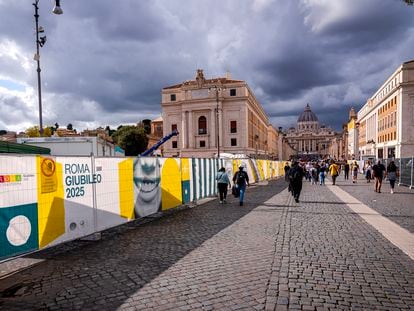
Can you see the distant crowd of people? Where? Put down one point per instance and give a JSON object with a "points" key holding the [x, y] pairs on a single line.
{"points": [[315, 172]]}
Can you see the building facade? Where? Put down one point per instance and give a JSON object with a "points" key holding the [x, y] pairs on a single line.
{"points": [[352, 140], [309, 138], [386, 121], [216, 115]]}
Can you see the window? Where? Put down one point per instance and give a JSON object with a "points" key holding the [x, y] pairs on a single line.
{"points": [[174, 144], [232, 92], [173, 127], [233, 126], [173, 97], [202, 125], [202, 143], [234, 141]]}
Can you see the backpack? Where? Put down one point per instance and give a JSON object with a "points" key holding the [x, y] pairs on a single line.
{"points": [[241, 178], [293, 174]]}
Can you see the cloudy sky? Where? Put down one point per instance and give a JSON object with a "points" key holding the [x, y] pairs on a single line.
{"points": [[105, 62]]}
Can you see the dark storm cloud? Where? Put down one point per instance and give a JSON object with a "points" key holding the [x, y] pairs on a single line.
{"points": [[105, 62]]}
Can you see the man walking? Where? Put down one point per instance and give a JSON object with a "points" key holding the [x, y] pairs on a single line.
{"points": [[378, 172], [241, 179], [296, 174], [346, 170]]}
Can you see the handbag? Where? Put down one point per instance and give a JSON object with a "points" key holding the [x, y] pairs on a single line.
{"points": [[235, 191]]}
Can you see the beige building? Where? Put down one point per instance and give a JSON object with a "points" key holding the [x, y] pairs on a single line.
{"points": [[309, 138], [386, 121], [352, 129], [216, 115]]}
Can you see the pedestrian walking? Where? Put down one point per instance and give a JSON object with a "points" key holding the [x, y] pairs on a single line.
{"points": [[334, 171], [296, 174], [241, 180], [355, 169], [378, 172], [346, 171], [392, 174], [322, 172], [314, 174], [368, 172], [223, 183]]}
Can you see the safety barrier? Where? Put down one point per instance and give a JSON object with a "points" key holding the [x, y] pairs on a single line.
{"points": [[45, 201]]}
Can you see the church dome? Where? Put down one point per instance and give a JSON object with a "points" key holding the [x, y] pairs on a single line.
{"points": [[307, 115]]}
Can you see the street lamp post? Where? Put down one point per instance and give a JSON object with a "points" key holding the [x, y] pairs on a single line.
{"points": [[217, 89], [40, 41]]}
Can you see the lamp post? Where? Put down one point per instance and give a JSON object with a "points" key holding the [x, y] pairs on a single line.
{"points": [[40, 41], [217, 89]]}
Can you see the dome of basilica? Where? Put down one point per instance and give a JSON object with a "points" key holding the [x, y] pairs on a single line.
{"points": [[307, 115]]}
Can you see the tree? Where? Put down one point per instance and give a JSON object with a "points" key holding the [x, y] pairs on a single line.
{"points": [[409, 2], [34, 131], [146, 124], [132, 139], [69, 127]]}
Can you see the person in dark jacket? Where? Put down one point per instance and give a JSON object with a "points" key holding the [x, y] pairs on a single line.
{"points": [[240, 180], [346, 171], [296, 174], [378, 172]]}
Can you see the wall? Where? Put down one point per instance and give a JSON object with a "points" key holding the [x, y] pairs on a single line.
{"points": [[47, 200]]}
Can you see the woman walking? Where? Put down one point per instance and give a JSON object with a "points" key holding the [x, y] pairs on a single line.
{"points": [[392, 174], [368, 172], [355, 168], [222, 184]]}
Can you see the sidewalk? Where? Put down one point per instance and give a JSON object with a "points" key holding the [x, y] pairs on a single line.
{"points": [[270, 254]]}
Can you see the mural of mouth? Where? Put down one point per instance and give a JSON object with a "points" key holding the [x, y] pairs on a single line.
{"points": [[148, 185]]}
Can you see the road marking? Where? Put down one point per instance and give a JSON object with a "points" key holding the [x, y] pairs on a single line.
{"points": [[397, 235]]}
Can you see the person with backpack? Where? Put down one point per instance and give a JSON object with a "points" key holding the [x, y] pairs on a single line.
{"points": [[240, 180], [296, 174], [286, 169], [222, 183]]}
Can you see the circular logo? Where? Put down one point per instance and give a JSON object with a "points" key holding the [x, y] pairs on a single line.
{"points": [[19, 230], [48, 167]]}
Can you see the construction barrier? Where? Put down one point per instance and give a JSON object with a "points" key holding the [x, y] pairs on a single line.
{"points": [[46, 200]]}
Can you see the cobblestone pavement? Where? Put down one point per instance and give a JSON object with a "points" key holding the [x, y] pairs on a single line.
{"points": [[398, 207], [271, 254]]}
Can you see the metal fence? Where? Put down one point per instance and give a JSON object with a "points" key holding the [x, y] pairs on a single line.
{"points": [[405, 166]]}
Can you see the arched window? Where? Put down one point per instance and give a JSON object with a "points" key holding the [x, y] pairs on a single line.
{"points": [[202, 125]]}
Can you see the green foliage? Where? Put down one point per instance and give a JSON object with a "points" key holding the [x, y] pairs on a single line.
{"points": [[132, 139]]}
